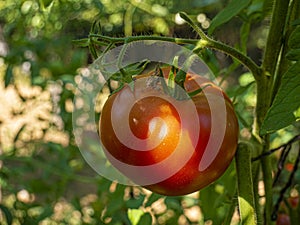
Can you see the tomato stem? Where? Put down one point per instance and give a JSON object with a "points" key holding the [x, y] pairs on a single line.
{"points": [[245, 185], [208, 42], [264, 94], [204, 42]]}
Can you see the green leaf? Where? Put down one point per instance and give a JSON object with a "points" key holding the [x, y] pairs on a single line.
{"points": [[135, 203], [134, 215], [47, 212], [231, 10], [46, 3], [294, 42], [145, 219], [152, 198], [293, 55], [211, 60], [267, 6], [220, 195], [286, 102], [296, 22], [244, 34], [19, 132], [116, 201], [174, 203], [81, 42], [7, 214], [130, 70], [8, 75], [256, 7]]}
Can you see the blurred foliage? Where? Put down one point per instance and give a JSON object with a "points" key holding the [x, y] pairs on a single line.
{"points": [[43, 177]]}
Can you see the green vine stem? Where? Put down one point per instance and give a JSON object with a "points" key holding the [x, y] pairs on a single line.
{"points": [[256, 177], [120, 40], [245, 185], [264, 93], [205, 41], [211, 43]]}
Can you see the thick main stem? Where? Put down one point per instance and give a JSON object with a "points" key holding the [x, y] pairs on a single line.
{"points": [[264, 93], [270, 60]]}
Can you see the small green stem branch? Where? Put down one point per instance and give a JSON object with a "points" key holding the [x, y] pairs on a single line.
{"points": [[205, 41], [211, 43], [120, 40], [245, 185]]}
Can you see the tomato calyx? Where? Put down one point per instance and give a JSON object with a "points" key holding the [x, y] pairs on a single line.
{"points": [[172, 81], [176, 80], [126, 75]]}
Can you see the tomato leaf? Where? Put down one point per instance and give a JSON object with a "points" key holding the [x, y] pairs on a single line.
{"points": [[174, 203], [135, 203], [220, 194], [244, 34], [296, 22], [146, 219], [180, 77], [7, 214], [47, 212], [84, 42], [152, 198], [131, 70], [211, 60], [294, 39], [293, 55], [134, 215], [231, 10], [46, 3], [286, 102], [8, 76]]}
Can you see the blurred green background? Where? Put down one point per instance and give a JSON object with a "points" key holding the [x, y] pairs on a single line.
{"points": [[43, 177]]}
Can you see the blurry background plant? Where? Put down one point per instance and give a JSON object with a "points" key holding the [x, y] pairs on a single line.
{"points": [[43, 177]]}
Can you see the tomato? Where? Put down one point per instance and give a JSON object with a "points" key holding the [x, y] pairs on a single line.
{"points": [[283, 219], [289, 167], [169, 146], [294, 201]]}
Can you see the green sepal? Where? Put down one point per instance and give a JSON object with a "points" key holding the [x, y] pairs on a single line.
{"points": [[199, 90]]}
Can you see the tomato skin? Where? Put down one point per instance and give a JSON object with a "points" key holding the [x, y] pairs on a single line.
{"points": [[143, 114], [294, 201], [283, 219]]}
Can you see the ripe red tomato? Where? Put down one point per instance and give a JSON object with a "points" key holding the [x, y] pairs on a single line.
{"points": [[283, 219], [294, 201], [169, 146]]}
